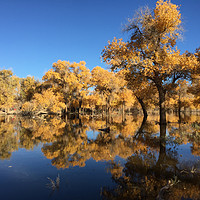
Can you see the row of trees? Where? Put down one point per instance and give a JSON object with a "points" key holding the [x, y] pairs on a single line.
{"points": [[148, 69], [71, 87], [67, 87]]}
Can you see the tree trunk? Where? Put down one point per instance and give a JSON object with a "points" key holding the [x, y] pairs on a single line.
{"points": [[65, 110], [140, 130], [79, 106], [108, 109], [162, 94], [140, 100], [123, 111], [179, 110]]}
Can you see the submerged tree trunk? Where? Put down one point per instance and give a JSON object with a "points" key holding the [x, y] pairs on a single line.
{"points": [[162, 154], [140, 100]]}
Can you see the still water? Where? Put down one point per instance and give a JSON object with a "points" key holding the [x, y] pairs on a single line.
{"points": [[51, 158]]}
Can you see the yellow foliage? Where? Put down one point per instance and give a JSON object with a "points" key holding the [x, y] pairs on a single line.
{"points": [[150, 55], [48, 101], [8, 89], [167, 17], [69, 80], [28, 107], [112, 87]]}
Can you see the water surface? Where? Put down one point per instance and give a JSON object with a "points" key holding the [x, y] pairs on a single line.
{"points": [[54, 158]]}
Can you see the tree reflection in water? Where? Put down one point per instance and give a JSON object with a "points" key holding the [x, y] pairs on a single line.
{"points": [[145, 177], [153, 167], [8, 138]]}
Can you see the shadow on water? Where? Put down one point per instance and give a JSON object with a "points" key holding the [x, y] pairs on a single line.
{"points": [[151, 165]]}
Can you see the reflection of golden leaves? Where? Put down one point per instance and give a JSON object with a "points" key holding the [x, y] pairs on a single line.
{"points": [[69, 144], [116, 169], [45, 130], [8, 139], [195, 149], [131, 127], [75, 148], [185, 190]]}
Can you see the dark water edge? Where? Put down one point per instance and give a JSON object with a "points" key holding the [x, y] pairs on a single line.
{"points": [[54, 158]]}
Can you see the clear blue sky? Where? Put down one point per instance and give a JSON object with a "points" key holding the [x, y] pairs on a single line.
{"points": [[36, 33]]}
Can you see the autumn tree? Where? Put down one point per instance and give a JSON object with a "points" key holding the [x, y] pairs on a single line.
{"points": [[47, 101], [144, 91], [150, 51], [70, 80], [28, 88], [104, 83], [125, 95], [93, 101], [8, 89], [180, 97], [111, 86], [195, 89]]}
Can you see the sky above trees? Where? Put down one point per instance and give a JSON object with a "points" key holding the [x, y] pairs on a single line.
{"points": [[35, 34]]}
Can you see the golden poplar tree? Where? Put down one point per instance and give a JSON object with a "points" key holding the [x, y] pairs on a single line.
{"points": [[8, 89], [195, 87], [112, 87], [150, 52], [70, 80], [28, 88]]}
